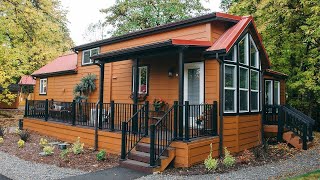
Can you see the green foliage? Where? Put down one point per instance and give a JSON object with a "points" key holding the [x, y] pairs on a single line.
{"points": [[291, 35], [128, 16], [86, 86], [228, 160], [77, 147], [225, 4], [27, 89], [31, 35], [1, 140], [63, 154], [211, 163], [48, 150], [21, 143], [101, 155], [24, 135], [43, 142]]}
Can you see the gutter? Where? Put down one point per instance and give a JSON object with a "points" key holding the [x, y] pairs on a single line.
{"points": [[59, 73]]}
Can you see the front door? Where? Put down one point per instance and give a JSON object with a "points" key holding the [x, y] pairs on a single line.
{"points": [[194, 82]]}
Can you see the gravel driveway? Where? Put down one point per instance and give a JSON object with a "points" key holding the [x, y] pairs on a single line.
{"points": [[305, 162], [16, 169]]}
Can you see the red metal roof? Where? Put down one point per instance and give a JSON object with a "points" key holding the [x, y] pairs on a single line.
{"points": [[27, 80], [61, 64], [191, 42]]}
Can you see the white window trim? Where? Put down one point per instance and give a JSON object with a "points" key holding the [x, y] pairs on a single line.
{"points": [[244, 89], [230, 88], [278, 92], [41, 89], [234, 55], [256, 91], [246, 50], [90, 50], [257, 53], [265, 84]]}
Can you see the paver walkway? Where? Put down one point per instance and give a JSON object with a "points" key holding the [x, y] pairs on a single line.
{"points": [[116, 173]]}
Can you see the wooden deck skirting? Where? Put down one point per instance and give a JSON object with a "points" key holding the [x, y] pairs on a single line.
{"points": [[187, 153]]}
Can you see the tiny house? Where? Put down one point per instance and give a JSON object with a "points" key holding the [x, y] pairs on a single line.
{"points": [[166, 93]]}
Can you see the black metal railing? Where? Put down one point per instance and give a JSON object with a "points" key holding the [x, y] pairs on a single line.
{"points": [[271, 114], [134, 129], [35, 109], [163, 133], [60, 111], [307, 118]]}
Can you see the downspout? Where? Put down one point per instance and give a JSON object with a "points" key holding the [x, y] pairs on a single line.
{"points": [[220, 105]]}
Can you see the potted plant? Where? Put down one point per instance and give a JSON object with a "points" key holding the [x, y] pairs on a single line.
{"points": [[158, 104]]}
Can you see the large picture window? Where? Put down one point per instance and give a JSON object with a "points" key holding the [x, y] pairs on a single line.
{"points": [[230, 88], [242, 77], [43, 86], [87, 54]]}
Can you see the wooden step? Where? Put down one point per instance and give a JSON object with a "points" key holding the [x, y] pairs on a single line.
{"points": [[136, 165], [294, 140], [143, 147], [142, 156], [288, 136]]}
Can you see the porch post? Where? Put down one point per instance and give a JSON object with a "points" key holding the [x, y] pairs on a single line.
{"points": [[181, 90], [135, 93], [101, 94]]}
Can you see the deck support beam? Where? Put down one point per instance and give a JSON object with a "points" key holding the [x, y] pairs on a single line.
{"points": [[135, 92]]}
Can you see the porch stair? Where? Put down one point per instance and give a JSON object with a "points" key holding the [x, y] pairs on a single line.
{"points": [[139, 159], [295, 140]]}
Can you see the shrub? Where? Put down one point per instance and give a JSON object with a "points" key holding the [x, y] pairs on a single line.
{"points": [[48, 150], [2, 131], [1, 140], [24, 135], [17, 131], [63, 154], [246, 157], [21, 143], [43, 142], [101, 155], [210, 163], [77, 147], [228, 160]]}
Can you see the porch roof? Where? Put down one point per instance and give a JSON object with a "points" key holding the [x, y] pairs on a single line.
{"points": [[27, 80], [137, 51]]}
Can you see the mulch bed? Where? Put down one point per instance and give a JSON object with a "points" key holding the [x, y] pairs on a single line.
{"points": [[85, 161], [262, 155]]}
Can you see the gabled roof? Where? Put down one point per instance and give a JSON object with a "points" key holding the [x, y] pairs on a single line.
{"points": [[228, 39], [66, 64], [27, 80]]}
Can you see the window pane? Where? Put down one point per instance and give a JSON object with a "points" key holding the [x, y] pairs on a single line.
{"points": [[232, 54], [229, 76], [243, 100], [94, 51], [254, 101], [253, 55], [194, 85], [229, 100], [244, 78], [243, 50], [143, 79], [254, 80], [268, 93], [86, 57], [276, 92]]}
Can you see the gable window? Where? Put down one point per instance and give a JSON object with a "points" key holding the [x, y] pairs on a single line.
{"points": [[143, 80], [43, 86], [87, 54], [242, 77], [230, 88]]}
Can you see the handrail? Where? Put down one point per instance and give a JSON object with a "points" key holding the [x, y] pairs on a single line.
{"points": [[312, 121], [134, 129]]}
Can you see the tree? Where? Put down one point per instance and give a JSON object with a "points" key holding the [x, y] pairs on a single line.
{"points": [[32, 33], [225, 4], [96, 31], [291, 34], [132, 15]]}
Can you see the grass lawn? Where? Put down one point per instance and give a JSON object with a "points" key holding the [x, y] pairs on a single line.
{"points": [[311, 175]]}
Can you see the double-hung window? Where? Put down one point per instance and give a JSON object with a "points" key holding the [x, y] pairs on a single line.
{"points": [[254, 90], [230, 88], [43, 86], [244, 89], [86, 54]]}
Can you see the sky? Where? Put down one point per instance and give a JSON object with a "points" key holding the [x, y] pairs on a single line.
{"points": [[83, 12]]}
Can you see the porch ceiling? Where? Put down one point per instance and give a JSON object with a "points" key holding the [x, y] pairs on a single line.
{"points": [[158, 47]]}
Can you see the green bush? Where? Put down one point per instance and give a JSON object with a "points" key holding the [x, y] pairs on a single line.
{"points": [[210, 163], [64, 154], [101, 155], [77, 147], [48, 150], [228, 160], [24, 135], [1, 140], [43, 142], [21, 143]]}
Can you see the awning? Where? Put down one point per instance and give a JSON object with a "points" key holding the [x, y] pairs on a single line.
{"points": [[139, 51]]}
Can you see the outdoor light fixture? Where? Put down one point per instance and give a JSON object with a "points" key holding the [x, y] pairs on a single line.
{"points": [[170, 72]]}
